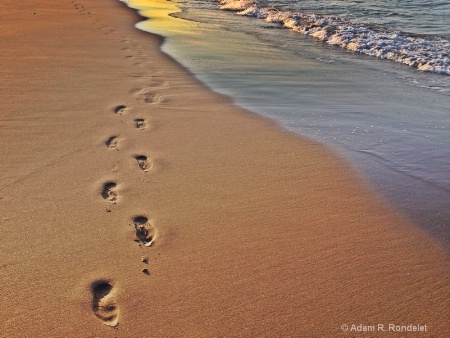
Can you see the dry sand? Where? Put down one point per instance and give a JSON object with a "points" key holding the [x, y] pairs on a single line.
{"points": [[115, 160]]}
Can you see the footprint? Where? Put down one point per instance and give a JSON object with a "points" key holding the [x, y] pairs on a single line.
{"points": [[110, 193], [145, 232], [148, 96], [151, 87], [120, 109], [143, 162], [154, 99], [140, 123], [112, 142], [104, 303]]}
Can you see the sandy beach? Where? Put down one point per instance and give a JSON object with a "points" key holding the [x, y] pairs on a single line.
{"points": [[135, 202]]}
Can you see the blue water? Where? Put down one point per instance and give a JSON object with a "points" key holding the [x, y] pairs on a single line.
{"points": [[389, 120], [424, 17], [401, 31]]}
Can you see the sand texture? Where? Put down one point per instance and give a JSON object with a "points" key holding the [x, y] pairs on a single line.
{"points": [[135, 202]]}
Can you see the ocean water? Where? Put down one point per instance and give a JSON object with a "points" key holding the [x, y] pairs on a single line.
{"points": [[418, 17], [388, 118], [414, 32]]}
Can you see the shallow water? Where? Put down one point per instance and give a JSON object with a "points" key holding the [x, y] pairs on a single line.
{"points": [[389, 120]]}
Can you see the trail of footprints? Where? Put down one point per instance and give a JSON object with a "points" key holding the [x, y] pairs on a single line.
{"points": [[102, 291], [80, 8]]}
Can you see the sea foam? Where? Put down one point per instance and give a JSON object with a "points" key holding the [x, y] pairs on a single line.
{"points": [[425, 53]]}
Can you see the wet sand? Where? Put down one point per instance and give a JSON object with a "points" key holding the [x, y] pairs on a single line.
{"points": [[136, 202]]}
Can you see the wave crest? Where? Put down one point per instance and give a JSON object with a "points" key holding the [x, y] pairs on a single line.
{"points": [[424, 53]]}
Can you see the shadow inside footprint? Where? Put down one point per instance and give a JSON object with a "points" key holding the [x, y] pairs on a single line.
{"points": [[104, 303], [140, 123], [112, 142], [120, 109], [145, 232], [143, 162], [109, 192]]}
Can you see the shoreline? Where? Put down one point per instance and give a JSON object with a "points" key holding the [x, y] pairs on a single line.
{"points": [[408, 174], [133, 195]]}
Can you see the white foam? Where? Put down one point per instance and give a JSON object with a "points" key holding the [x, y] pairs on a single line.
{"points": [[235, 5], [425, 54]]}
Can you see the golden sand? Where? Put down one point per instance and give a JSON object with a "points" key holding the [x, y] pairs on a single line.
{"points": [[136, 202]]}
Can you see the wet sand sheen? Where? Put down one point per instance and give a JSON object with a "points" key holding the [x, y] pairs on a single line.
{"points": [[392, 133], [211, 222]]}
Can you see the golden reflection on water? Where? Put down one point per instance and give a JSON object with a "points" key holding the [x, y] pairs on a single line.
{"points": [[160, 21], [191, 40]]}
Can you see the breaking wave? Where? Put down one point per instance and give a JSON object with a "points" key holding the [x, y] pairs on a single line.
{"points": [[426, 53]]}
